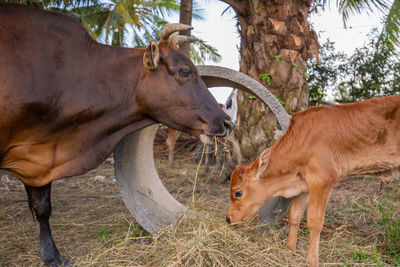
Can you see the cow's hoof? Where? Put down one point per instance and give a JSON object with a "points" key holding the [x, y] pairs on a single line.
{"points": [[57, 262]]}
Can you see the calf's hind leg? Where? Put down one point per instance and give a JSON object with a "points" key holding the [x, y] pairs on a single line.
{"points": [[40, 206]]}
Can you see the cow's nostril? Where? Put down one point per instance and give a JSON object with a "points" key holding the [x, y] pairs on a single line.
{"points": [[228, 124], [228, 220]]}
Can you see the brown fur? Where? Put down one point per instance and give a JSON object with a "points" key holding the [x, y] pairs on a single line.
{"points": [[68, 100], [322, 146]]}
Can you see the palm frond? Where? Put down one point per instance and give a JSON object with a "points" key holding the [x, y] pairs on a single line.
{"points": [[201, 51], [92, 18], [162, 8], [197, 11], [390, 34], [348, 8], [228, 10]]}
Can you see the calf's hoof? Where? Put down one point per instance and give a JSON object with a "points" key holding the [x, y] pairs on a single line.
{"points": [[313, 261], [291, 247]]}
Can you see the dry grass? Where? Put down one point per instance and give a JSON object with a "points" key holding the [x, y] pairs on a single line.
{"points": [[93, 228]]}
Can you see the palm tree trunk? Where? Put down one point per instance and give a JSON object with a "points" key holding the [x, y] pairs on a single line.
{"points": [[276, 41], [185, 17]]}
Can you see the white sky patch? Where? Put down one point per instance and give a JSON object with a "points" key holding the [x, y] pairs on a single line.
{"points": [[329, 24]]}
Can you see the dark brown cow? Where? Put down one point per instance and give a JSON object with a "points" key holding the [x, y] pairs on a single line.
{"points": [[67, 100]]}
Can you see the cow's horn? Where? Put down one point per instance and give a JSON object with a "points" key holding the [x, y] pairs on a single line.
{"points": [[181, 39], [171, 28]]}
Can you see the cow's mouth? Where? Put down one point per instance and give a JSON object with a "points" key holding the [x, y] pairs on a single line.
{"points": [[207, 131], [206, 139], [225, 128]]}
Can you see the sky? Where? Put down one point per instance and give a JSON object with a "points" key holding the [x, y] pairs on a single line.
{"points": [[220, 31]]}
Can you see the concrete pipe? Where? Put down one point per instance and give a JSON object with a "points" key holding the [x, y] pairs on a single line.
{"points": [[141, 189]]}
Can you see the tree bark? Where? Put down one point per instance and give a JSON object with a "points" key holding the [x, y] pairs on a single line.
{"points": [[276, 41], [185, 17]]}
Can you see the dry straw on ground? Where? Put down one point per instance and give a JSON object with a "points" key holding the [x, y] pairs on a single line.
{"points": [[93, 228]]}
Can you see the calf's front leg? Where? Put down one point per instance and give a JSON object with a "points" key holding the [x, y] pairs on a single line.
{"points": [[40, 206], [296, 212], [319, 196]]}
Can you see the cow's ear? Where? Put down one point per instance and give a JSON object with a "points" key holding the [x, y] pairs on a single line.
{"points": [[263, 161], [151, 57]]}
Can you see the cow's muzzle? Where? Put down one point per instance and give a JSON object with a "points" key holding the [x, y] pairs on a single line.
{"points": [[207, 138], [228, 126]]}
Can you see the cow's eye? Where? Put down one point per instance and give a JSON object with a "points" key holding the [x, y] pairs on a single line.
{"points": [[186, 73], [238, 194]]}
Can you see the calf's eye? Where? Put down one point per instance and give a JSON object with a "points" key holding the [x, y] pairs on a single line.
{"points": [[238, 194]]}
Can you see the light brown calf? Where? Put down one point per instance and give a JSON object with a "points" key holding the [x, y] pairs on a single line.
{"points": [[322, 146]]}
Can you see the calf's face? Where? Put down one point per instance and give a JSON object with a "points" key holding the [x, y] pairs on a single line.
{"points": [[253, 184], [173, 93], [246, 193]]}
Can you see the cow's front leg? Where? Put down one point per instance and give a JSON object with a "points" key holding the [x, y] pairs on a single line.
{"points": [[296, 212], [318, 199], [40, 206]]}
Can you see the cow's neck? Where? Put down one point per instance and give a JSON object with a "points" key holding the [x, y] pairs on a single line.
{"points": [[118, 72]]}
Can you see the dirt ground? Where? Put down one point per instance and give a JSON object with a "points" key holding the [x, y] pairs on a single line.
{"points": [[92, 227]]}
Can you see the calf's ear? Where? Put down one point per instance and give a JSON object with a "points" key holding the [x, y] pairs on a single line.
{"points": [[263, 162], [151, 57]]}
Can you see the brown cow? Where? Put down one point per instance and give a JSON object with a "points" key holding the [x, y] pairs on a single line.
{"points": [[67, 100], [322, 146]]}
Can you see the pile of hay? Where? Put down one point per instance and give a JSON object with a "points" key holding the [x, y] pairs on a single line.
{"points": [[92, 227]]}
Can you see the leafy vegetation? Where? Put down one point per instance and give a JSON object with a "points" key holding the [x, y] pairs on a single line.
{"points": [[366, 73], [266, 77]]}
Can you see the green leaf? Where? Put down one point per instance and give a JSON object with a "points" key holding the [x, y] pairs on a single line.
{"points": [[283, 103], [266, 77]]}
